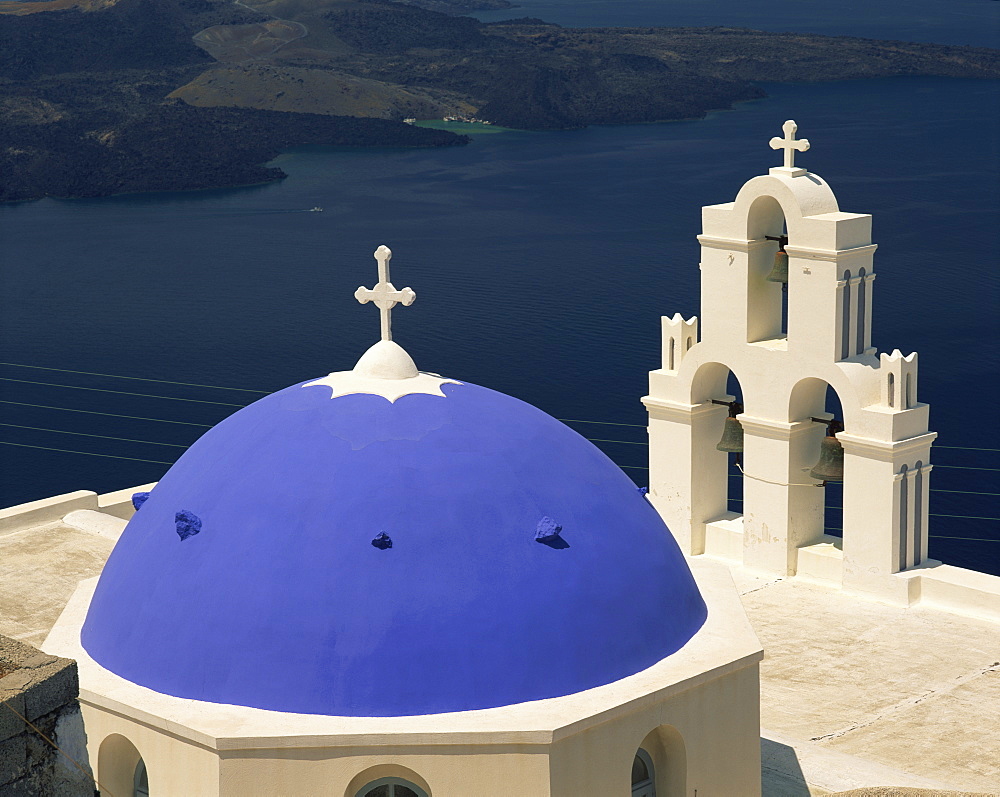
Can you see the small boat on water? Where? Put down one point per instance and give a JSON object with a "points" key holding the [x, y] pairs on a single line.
{"points": [[316, 209]]}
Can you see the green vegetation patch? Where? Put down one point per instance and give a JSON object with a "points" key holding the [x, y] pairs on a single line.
{"points": [[465, 128]]}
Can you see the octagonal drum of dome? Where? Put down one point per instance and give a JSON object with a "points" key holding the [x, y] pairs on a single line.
{"points": [[356, 556]]}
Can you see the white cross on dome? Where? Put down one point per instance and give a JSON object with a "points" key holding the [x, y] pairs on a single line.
{"points": [[385, 369], [384, 294]]}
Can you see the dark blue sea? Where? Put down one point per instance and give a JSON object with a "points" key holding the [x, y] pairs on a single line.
{"points": [[541, 261]]}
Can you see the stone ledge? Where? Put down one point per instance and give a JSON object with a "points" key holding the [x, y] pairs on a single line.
{"points": [[117, 505], [956, 589], [41, 689], [42, 682], [724, 537], [822, 561], [47, 510], [94, 522]]}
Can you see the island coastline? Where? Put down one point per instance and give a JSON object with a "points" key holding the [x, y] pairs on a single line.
{"points": [[161, 110]]}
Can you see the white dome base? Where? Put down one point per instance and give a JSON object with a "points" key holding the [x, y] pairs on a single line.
{"points": [[384, 370]]}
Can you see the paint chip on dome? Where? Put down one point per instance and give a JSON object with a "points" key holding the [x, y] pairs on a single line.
{"points": [[548, 533], [187, 523], [138, 499], [547, 529], [382, 541]]}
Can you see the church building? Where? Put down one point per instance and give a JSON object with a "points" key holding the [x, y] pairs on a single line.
{"points": [[389, 583]]}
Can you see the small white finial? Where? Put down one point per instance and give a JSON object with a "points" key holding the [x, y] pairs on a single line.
{"points": [[384, 294], [790, 146]]}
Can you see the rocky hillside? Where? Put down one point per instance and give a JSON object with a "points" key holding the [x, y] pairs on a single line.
{"points": [[106, 96]]}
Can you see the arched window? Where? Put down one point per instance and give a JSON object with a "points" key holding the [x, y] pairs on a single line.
{"points": [[140, 780], [120, 768], [391, 787], [643, 777], [670, 355], [892, 390]]}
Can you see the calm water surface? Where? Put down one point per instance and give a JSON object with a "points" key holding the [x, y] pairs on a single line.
{"points": [[542, 262], [972, 22]]}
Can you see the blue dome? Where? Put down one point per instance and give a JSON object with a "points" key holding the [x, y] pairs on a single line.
{"points": [[357, 557]]}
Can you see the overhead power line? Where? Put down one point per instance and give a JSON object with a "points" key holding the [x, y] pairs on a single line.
{"points": [[87, 453], [102, 436], [134, 378], [964, 467], [605, 423], [110, 414], [119, 392]]}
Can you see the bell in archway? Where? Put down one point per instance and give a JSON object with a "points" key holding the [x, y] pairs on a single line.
{"points": [[830, 467], [732, 437], [732, 432], [779, 272]]}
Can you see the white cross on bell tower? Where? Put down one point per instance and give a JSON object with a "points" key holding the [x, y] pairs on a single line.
{"points": [[790, 146], [384, 294]]}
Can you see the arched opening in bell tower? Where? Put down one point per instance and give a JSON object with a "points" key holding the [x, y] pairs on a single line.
{"points": [[722, 440], [819, 460], [767, 272], [734, 480]]}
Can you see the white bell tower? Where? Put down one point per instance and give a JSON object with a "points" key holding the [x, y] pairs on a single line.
{"points": [[785, 361]]}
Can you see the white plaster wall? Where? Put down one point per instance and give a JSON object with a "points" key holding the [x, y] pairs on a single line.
{"points": [[443, 770], [174, 764], [716, 722], [47, 510], [708, 740], [872, 513]]}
